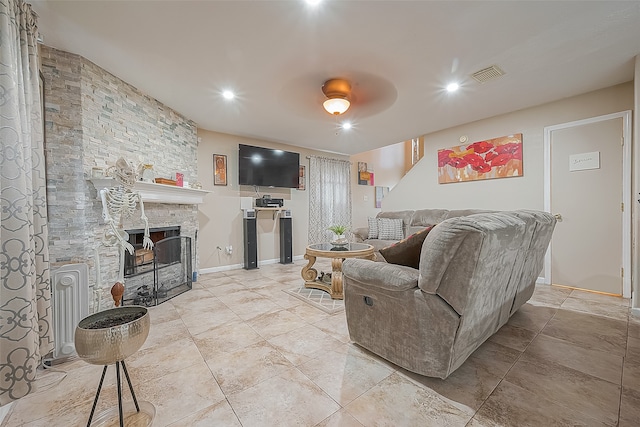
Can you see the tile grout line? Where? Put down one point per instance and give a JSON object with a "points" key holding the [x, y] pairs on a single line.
{"points": [[514, 363]]}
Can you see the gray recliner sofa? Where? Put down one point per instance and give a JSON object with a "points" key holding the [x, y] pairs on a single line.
{"points": [[413, 221], [475, 271]]}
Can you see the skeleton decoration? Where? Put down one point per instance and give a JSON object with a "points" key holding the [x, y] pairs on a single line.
{"points": [[119, 202]]}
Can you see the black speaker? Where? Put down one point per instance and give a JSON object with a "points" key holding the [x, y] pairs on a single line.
{"points": [[286, 241], [250, 244]]}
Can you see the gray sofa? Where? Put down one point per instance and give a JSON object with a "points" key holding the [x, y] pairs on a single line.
{"points": [[413, 221], [475, 271]]}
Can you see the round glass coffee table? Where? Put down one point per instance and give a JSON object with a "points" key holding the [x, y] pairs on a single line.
{"points": [[337, 255]]}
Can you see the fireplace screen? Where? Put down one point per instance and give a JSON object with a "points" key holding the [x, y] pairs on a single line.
{"points": [[158, 274], [142, 260]]}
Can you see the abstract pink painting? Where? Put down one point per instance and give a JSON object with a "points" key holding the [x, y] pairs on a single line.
{"points": [[492, 158]]}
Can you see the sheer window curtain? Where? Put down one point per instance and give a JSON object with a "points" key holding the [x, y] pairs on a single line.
{"points": [[329, 196], [25, 294]]}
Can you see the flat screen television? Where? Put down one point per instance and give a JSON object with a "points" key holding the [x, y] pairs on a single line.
{"points": [[267, 167]]}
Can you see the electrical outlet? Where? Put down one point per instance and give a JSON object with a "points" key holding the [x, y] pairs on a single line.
{"points": [[365, 198], [229, 250]]}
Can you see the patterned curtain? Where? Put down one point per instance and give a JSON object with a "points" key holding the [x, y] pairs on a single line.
{"points": [[329, 197], [25, 294]]}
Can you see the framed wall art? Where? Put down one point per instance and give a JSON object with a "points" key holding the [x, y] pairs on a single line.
{"points": [[301, 178], [365, 176], [219, 169], [493, 158], [380, 193]]}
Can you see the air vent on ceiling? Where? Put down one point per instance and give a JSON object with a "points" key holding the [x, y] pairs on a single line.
{"points": [[487, 74]]}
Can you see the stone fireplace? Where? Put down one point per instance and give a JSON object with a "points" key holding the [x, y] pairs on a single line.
{"points": [[91, 119], [155, 275]]}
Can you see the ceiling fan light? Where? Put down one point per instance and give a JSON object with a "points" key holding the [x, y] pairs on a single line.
{"points": [[336, 106]]}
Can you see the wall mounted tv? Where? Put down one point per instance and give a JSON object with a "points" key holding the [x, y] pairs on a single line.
{"points": [[267, 167]]}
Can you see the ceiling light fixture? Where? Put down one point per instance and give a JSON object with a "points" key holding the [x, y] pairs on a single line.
{"points": [[346, 125], [337, 91], [452, 87], [228, 94]]}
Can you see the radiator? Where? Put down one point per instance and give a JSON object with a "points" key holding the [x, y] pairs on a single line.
{"points": [[70, 297]]}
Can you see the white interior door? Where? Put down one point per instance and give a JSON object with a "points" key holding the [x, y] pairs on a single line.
{"points": [[586, 176]]}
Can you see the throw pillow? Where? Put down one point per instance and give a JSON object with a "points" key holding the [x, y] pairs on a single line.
{"points": [[373, 228], [390, 229], [407, 251]]}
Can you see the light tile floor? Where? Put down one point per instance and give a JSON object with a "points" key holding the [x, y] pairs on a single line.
{"points": [[238, 351]]}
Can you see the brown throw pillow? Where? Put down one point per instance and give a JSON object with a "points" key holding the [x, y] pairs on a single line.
{"points": [[407, 251]]}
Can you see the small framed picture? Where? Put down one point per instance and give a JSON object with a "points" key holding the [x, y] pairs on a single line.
{"points": [[219, 169], [301, 178]]}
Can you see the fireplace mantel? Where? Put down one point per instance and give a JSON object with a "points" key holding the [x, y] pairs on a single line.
{"points": [[158, 193]]}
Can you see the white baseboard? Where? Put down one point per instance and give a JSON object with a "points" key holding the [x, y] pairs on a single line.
{"points": [[635, 311], [221, 268], [239, 266], [540, 281]]}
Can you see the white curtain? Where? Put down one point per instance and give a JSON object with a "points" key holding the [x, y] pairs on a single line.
{"points": [[329, 197], [25, 294]]}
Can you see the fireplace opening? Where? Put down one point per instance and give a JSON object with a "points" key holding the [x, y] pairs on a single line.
{"points": [[142, 260], [155, 275]]}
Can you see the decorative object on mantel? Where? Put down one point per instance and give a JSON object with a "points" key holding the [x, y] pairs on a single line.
{"points": [[118, 203], [97, 172], [146, 172], [179, 179], [219, 169], [165, 181], [492, 158]]}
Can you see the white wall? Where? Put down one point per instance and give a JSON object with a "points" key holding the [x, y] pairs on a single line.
{"points": [[388, 165], [419, 189], [220, 216]]}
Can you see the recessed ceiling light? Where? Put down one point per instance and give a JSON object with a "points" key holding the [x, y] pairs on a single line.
{"points": [[313, 2], [228, 94], [346, 125], [452, 87]]}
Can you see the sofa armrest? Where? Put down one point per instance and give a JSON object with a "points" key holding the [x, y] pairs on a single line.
{"points": [[361, 234], [391, 277]]}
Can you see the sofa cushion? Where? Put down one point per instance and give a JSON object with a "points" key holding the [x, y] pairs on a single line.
{"points": [[405, 216], [426, 217], [373, 227], [407, 251], [390, 229]]}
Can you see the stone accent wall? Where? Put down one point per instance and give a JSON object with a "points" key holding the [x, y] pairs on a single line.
{"points": [[91, 119]]}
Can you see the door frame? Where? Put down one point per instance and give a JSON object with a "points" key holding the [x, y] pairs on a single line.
{"points": [[626, 190]]}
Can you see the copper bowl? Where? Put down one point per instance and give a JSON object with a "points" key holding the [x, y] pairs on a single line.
{"points": [[107, 345]]}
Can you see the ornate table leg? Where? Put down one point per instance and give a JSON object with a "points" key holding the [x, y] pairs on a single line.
{"points": [[309, 274], [336, 278]]}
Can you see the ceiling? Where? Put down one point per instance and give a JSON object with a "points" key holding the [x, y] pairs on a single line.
{"points": [[398, 56]]}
